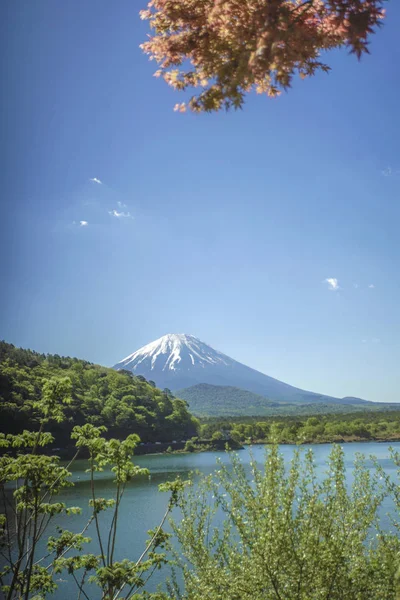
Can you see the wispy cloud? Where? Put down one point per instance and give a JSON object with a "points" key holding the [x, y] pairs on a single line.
{"points": [[356, 286], [95, 180], [372, 340], [121, 205], [120, 215], [389, 171], [333, 283], [80, 223]]}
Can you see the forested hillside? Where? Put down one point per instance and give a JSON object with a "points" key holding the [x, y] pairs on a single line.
{"points": [[366, 426], [101, 396], [206, 400]]}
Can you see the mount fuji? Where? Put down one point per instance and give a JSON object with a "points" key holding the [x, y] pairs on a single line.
{"points": [[178, 361]]}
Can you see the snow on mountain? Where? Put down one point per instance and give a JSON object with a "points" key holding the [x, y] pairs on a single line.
{"points": [[178, 361], [172, 352]]}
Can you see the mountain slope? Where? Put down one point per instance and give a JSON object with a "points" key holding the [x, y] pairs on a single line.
{"points": [[207, 400], [217, 400], [179, 361]]}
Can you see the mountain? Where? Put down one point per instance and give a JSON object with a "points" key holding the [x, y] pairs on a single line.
{"points": [[218, 400], [178, 361], [207, 400]]}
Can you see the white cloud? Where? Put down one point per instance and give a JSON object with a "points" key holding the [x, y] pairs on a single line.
{"points": [[333, 283], [120, 215], [371, 286], [95, 180], [83, 223], [121, 205]]}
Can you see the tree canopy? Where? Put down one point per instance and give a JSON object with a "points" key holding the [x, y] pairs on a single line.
{"points": [[380, 425], [227, 48], [100, 396]]}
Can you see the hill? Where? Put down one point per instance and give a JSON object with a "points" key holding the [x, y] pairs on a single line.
{"points": [[207, 400], [180, 361], [121, 401]]}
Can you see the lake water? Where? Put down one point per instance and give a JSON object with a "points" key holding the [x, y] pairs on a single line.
{"points": [[143, 505]]}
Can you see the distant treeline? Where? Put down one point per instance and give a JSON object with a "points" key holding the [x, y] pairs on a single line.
{"points": [[384, 425], [122, 402]]}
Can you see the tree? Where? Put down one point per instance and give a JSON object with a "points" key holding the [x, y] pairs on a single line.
{"points": [[189, 446], [29, 565], [122, 402], [287, 534], [228, 48], [236, 437]]}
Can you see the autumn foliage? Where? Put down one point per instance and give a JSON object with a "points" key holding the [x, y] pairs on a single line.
{"points": [[227, 48]]}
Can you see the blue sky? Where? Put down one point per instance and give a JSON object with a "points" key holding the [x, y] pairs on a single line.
{"points": [[232, 223]]}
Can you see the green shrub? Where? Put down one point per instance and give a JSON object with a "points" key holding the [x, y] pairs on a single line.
{"points": [[286, 534]]}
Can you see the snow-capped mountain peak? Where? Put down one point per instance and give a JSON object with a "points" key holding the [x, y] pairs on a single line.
{"points": [[178, 360], [171, 352]]}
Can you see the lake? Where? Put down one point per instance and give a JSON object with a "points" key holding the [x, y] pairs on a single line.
{"points": [[143, 505]]}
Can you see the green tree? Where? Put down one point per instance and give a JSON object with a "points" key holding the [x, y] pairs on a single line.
{"points": [[124, 403], [37, 479], [189, 446], [286, 534], [236, 437]]}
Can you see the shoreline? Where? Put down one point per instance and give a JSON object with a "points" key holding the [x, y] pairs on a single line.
{"points": [[65, 453], [303, 443], [353, 440]]}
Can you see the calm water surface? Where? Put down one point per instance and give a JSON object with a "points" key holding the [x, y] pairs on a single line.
{"points": [[143, 505]]}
